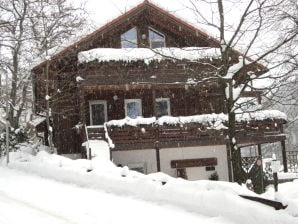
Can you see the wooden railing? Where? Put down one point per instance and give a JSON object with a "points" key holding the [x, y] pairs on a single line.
{"points": [[292, 159], [191, 134]]}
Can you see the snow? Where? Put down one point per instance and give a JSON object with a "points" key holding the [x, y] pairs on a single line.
{"points": [[79, 78], [247, 104], [132, 122], [147, 55], [215, 121], [37, 120], [235, 68], [41, 200], [273, 156], [232, 71], [99, 149], [261, 115], [78, 196]]}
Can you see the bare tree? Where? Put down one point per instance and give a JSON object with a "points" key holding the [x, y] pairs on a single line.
{"points": [[28, 30], [54, 22], [253, 29], [14, 34]]}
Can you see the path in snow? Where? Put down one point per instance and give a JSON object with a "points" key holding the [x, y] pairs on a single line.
{"points": [[16, 211], [26, 198]]}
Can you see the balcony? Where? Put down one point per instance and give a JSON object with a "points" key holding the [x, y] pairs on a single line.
{"points": [[199, 130]]}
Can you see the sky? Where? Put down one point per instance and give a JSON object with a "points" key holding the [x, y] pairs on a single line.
{"points": [[106, 10], [103, 11]]}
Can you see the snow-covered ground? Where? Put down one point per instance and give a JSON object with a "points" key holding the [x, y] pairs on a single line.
{"points": [[48, 188], [27, 198]]}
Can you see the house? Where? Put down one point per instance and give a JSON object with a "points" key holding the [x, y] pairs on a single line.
{"points": [[142, 81]]}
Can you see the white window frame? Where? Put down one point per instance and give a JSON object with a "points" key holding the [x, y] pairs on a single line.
{"points": [[132, 41], [156, 31], [168, 104], [126, 101], [92, 102]]}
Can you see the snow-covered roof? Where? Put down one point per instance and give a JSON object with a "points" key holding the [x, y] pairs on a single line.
{"points": [[214, 121], [133, 9], [147, 55]]}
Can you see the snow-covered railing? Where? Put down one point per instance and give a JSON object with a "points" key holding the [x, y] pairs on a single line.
{"points": [[215, 121], [195, 130]]}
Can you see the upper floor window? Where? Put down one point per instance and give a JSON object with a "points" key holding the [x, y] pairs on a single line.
{"points": [[129, 39], [156, 39], [162, 107], [133, 108]]}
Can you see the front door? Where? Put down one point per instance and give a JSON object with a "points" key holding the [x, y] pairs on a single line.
{"points": [[98, 112]]}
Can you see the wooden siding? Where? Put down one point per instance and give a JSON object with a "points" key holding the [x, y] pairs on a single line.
{"points": [[183, 102], [119, 73]]}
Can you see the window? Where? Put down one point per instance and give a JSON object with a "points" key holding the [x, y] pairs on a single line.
{"points": [[162, 107], [156, 39], [98, 112], [129, 39], [133, 108]]}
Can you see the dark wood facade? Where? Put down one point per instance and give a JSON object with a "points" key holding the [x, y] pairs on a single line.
{"points": [[115, 81]]}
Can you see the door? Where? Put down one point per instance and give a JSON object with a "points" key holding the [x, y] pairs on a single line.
{"points": [[98, 112]]}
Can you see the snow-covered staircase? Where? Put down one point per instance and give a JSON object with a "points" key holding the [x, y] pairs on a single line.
{"points": [[93, 133]]}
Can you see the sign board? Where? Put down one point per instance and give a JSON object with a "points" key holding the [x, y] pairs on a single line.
{"points": [[275, 165]]}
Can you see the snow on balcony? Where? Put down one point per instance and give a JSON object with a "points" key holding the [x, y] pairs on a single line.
{"points": [[214, 121]]}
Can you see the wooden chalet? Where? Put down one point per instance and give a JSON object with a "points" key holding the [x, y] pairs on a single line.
{"points": [[129, 69]]}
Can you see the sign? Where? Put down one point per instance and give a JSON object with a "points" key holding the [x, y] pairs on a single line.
{"points": [[275, 165]]}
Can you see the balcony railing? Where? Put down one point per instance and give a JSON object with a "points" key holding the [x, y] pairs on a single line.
{"points": [[150, 133]]}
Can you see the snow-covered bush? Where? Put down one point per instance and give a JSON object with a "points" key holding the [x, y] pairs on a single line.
{"points": [[16, 136], [214, 176]]}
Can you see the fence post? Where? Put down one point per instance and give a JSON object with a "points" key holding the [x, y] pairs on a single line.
{"points": [[284, 155]]}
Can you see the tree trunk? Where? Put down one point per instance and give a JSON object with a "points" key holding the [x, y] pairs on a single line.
{"points": [[49, 128], [235, 151], [232, 142]]}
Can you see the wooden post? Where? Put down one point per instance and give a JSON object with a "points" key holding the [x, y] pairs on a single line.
{"points": [[157, 158], [153, 100], [275, 178], [284, 155], [261, 167], [157, 149], [275, 168], [259, 150], [229, 162], [82, 104]]}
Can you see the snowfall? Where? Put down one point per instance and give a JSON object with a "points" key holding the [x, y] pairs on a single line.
{"points": [[43, 188]]}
